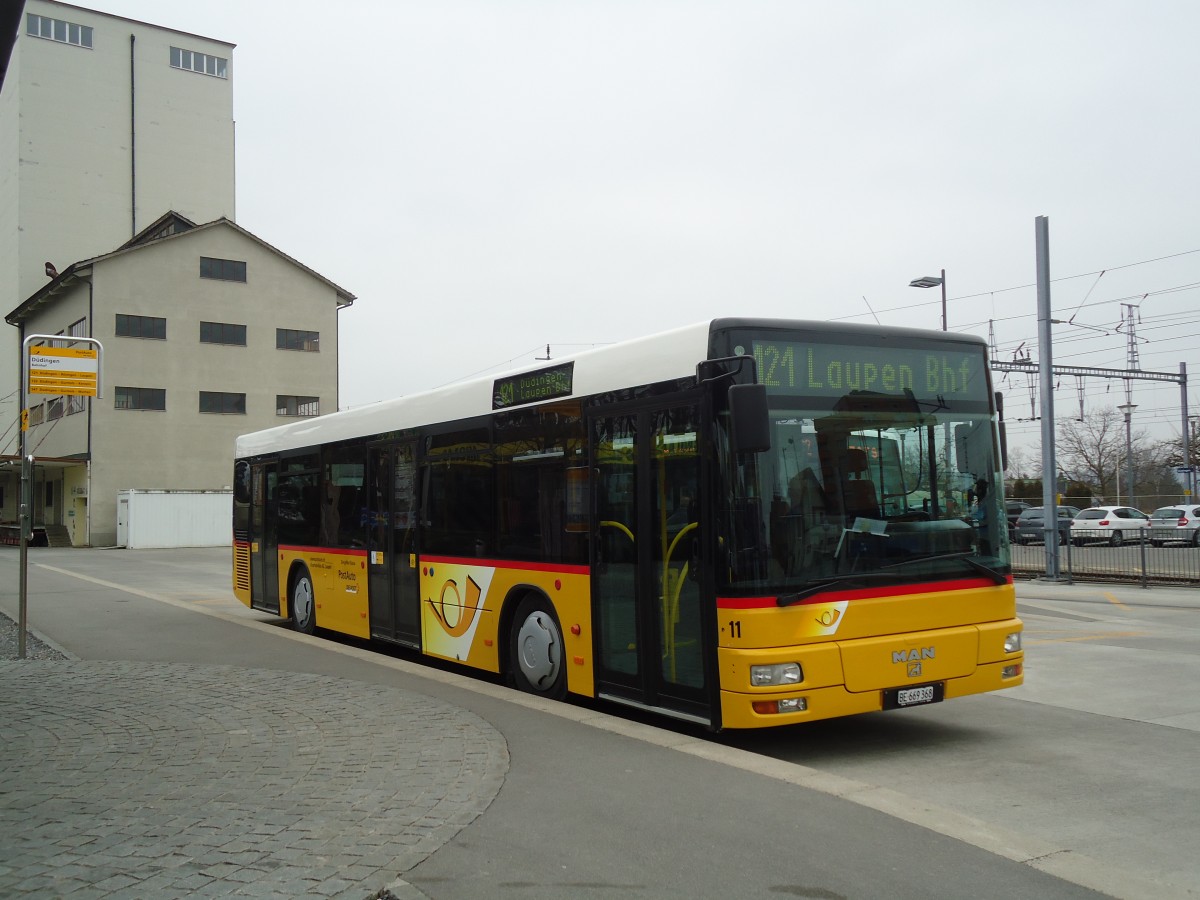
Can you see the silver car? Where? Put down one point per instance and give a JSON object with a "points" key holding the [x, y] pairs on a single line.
{"points": [[1173, 524], [1031, 525]]}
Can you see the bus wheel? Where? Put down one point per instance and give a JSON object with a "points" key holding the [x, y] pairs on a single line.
{"points": [[302, 603], [536, 650]]}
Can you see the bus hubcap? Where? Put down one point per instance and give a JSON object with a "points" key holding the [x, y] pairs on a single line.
{"points": [[302, 600], [539, 650]]}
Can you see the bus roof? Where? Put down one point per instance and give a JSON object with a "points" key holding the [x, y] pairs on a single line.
{"points": [[654, 358], [659, 357]]}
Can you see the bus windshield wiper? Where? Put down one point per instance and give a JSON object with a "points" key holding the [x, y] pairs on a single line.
{"points": [[975, 564], [817, 587]]}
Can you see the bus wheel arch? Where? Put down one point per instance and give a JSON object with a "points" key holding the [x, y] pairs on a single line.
{"points": [[537, 659], [302, 599]]}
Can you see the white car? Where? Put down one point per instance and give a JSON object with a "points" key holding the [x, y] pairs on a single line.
{"points": [[1112, 525], [1175, 523]]}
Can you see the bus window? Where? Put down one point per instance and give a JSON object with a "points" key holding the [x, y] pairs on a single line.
{"points": [[460, 514], [343, 497]]}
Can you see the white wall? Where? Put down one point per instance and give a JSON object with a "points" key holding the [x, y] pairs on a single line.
{"points": [[156, 519]]}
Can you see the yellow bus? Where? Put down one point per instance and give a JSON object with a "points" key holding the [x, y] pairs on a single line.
{"points": [[740, 523]]}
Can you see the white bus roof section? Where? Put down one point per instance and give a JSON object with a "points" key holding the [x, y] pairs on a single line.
{"points": [[659, 357]]}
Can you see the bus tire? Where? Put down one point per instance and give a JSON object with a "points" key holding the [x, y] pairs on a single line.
{"points": [[535, 650], [302, 602]]}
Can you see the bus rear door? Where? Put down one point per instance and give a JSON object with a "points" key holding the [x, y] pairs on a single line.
{"points": [[392, 575], [264, 541]]}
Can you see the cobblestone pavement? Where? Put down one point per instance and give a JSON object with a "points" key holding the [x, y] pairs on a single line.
{"points": [[157, 780]]}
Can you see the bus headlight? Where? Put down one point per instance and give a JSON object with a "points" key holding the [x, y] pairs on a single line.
{"points": [[779, 673], [1012, 642]]}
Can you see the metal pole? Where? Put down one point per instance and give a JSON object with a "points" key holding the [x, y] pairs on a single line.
{"points": [[943, 300], [1046, 379], [1189, 480], [23, 511], [1129, 458]]}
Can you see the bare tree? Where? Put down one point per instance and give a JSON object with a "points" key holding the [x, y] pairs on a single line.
{"points": [[1173, 449], [1092, 449]]}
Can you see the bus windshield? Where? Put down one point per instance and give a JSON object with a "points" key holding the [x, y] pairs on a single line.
{"points": [[888, 484]]}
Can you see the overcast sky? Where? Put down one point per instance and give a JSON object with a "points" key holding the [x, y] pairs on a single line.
{"points": [[492, 177]]}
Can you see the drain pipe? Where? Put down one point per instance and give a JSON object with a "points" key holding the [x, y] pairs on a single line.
{"points": [[132, 145]]}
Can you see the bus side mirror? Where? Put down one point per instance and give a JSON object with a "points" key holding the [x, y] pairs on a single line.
{"points": [[750, 422]]}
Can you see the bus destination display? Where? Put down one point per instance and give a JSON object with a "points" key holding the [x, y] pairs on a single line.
{"points": [[533, 387], [831, 370]]}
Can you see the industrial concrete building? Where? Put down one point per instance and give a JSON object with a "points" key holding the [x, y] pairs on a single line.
{"points": [[117, 138], [208, 332]]}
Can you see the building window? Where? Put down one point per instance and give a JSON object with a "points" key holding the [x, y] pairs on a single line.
{"points": [[222, 403], [194, 61], [75, 404], [222, 333], [222, 269], [37, 414], [58, 30], [54, 409], [141, 398], [141, 327], [289, 405], [290, 339], [78, 329]]}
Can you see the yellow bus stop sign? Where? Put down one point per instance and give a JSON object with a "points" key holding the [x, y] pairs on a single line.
{"points": [[58, 370]]}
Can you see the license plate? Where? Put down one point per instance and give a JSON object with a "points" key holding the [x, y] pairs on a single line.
{"points": [[899, 698]]}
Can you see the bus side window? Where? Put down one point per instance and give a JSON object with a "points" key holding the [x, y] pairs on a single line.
{"points": [[461, 510]]}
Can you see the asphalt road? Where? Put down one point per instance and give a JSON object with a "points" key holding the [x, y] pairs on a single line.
{"points": [[1081, 783]]}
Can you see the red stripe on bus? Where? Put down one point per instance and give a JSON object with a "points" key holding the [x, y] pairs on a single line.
{"points": [[504, 564], [862, 593]]}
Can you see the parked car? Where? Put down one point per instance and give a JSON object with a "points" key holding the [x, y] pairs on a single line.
{"points": [[1014, 508], [1031, 525], [1175, 523], [1109, 524]]}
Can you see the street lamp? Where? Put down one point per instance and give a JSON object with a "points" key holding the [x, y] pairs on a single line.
{"points": [[928, 281], [1127, 409]]}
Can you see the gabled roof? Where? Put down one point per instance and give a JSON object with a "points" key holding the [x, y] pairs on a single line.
{"points": [[169, 227], [167, 224]]}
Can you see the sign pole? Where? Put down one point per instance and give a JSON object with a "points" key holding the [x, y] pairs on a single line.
{"points": [[23, 509], [59, 372]]}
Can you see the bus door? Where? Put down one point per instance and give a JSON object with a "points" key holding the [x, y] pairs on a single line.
{"points": [[264, 538], [645, 587], [392, 575]]}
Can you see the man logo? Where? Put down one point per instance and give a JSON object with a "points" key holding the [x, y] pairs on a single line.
{"points": [[914, 655]]}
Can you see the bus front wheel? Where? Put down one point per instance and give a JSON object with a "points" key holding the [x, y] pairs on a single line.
{"points": [[302, 602], [536, 654]]}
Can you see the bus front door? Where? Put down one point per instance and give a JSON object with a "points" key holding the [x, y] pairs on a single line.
{"points": [[392, 576], [645, 588]]}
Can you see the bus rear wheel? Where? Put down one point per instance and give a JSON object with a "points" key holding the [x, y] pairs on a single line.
{"points": [[302, 602], [536, 654]]}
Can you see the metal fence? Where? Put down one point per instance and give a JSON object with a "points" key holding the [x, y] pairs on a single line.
{"points": [[1131, 562]]}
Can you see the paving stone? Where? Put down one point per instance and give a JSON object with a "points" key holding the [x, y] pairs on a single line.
{"points": [[123, 779]]}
